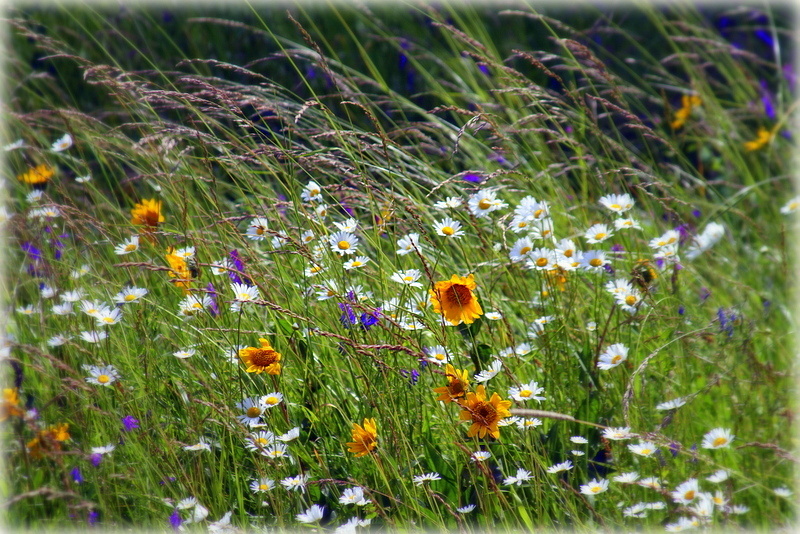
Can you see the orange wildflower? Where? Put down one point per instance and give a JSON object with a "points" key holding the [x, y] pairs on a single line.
{"points": [[365, 438], [147, 213], [454, 299], [484, 414], [262, 359], [457, 385]]}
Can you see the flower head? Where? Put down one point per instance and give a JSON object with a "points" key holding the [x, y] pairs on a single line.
{"points": [[365, 438], [594, 486], [457, 385], [62, 143], [262, 359], [484, 414], [455, 301], [101, 376], [717, 438], [147, 213], [37, 176], [427, 477], [312, 515]]}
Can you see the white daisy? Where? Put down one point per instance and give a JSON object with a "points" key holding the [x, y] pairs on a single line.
{"points": [[355, 263], [448, 227], [62, 143], [557, 468], [617, 203], [597, 233], [717, 439], [343, 243], [491, 372], [594, 486], [128, 246], [101, 376], [408, 277], [529, 391], [408, 244]]}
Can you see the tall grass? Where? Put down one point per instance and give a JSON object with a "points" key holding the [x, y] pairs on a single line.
{"points": [[387, 120]]}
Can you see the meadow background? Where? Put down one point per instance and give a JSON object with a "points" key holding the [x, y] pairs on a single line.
{"points": [[243, 246]]}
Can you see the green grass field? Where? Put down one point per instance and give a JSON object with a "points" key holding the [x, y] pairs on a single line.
{"points": [[429, 268]]}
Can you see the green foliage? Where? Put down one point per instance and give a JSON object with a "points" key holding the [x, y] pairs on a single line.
{"points": [[259, 131]]}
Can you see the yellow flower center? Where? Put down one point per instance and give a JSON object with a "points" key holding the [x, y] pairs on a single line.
{"points": [[630, 300], [271, 400], [408, 278], [596, 489], [524, 250], [793, 206], [243, 296], [568, 253], [616, 358], [595, 262], [356, 264], [671, 240], [130, 248], [263, 487], [308, 238], [316, 269], [485, 204], [259, 230], [646, 451], [103, 379], [108, 320], [615, 207], [129, 298], [538, 213], [541, 262], [600, 235], [545, 294], [689, 495], [313, 192], [525, 393], [440, 356], [197, 305], [262, 441], [720, 441], [253, 411], [343, 245], [448, 230], [522, 224]]}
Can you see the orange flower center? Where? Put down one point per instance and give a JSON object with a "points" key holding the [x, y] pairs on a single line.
{"points": [[456, 388], [253, 411], [541, 262], [484, 413], [689, 495], [458, 295], [263, 357], [616, 358]]}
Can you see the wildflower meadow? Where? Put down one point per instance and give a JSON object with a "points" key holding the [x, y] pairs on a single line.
{"points": [[415, 267]]}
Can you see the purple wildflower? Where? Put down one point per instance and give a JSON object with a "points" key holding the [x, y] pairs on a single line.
{"points": [[472, 178], [76, 475], [93, 515], [175, 520], [96, 458], [129, 423], [212, 293], [237, 266]]}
